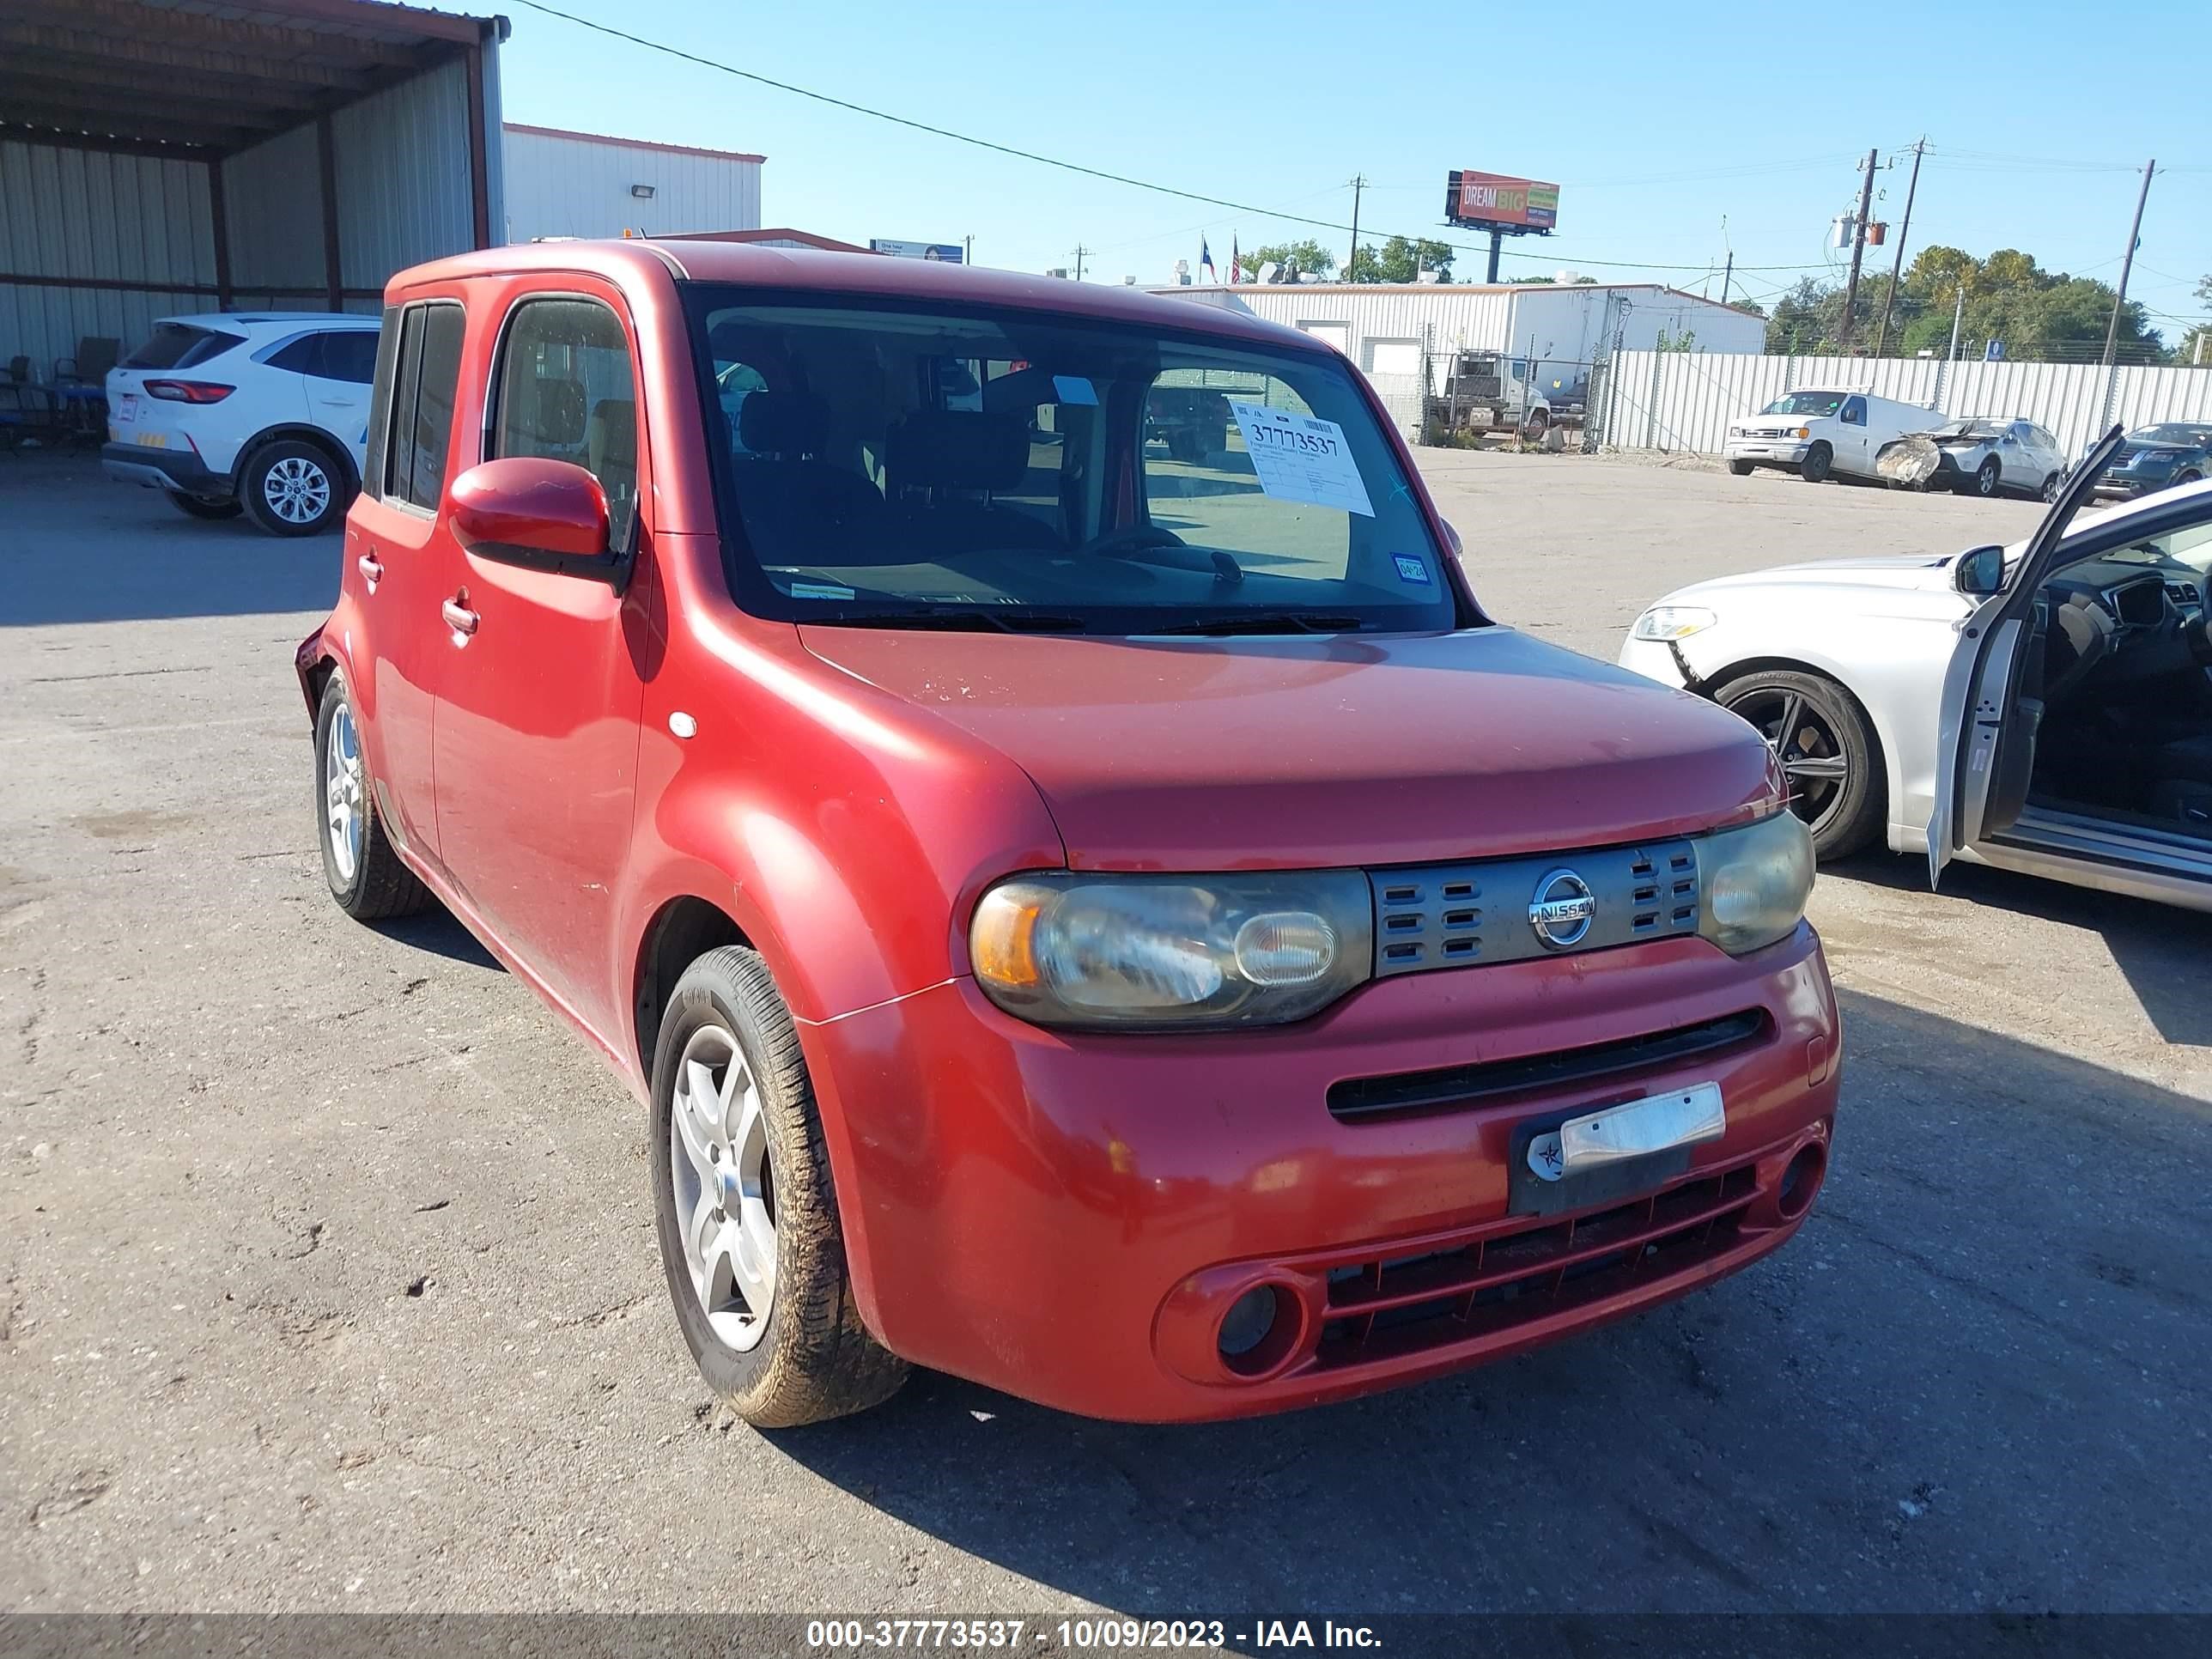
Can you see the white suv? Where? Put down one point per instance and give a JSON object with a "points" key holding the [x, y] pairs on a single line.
{"points": [[263, 413]]}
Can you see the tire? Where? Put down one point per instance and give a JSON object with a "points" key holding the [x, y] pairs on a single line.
{"points": [[806, 1356], [294, 488], [1187, 448], [1813, 469], [199, 506], [1742, 469], [359, 860], [1844, 814], [1533, 428], [2051, 486], [1988, 480], [2181, 478]]}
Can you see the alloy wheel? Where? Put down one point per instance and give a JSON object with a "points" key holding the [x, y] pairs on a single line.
{"points": [[1803, 736], [724, 1191], [297, 490], [344, 791]]}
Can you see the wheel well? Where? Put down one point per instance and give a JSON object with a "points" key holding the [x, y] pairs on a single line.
{"points": [[1735, 671], [313, 682], [681, 932], [296, 434]]}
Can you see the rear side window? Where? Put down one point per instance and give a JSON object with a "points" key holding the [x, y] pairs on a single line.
{"points": [[181, 345], [566, 393], [331, 354], [417, 438]]}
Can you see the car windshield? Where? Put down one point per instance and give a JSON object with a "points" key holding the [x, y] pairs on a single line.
{"points": [[996, 468], [1806, 402], [2189, 437], [1975, 429]]}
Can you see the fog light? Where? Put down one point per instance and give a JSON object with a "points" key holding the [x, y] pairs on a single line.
{"points": [[1246, 1323], [1800, 1179]]}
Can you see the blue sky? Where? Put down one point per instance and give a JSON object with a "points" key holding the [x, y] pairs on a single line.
{"points": [[1655, 122]]}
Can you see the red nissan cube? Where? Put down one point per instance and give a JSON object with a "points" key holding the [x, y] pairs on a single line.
{"points": [[1013, 777]]}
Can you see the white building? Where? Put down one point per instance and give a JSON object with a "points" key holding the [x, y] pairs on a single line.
{"points": [[1386, 327], [582, 184]]}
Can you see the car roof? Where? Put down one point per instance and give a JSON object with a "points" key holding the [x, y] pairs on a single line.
{"points": [[272, 319], [866, 275]]}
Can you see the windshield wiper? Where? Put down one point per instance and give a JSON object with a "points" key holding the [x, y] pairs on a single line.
{"points": [[955, 618], [1262, 621]]}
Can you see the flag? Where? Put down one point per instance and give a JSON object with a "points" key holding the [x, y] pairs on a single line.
{"points": [[1235, 263], [1206, 259]]}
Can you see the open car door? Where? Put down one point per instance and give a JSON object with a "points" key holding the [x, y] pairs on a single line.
{"points": [[1993, 691]]}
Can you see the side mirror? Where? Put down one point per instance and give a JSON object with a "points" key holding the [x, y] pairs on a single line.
{"points": [[541, 514], [1451, 535], [1979, 572]]}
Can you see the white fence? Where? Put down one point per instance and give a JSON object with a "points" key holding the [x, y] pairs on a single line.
{"points": [[1684, 400]]}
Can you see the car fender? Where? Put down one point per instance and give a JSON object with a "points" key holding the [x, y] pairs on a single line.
{"points": [[1888, 691], [306, 432]]}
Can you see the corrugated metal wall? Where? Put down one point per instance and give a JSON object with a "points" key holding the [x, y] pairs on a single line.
{"points": [[405, 191], [273, 199], [89, 213], [579, 186], [1684, 400]]}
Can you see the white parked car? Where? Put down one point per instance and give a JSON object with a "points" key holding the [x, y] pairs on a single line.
{"points": [[1979, 456], [1820, 432], [260, 412], [2045, 707]]}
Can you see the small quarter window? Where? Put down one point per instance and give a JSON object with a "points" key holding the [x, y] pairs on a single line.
{"points": [[425, 375]]}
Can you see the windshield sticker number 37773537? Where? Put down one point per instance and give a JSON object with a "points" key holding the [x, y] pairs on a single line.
{"points": [[1299, 457]]}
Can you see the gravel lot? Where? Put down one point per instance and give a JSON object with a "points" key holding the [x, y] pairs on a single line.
{"points": [[330, 1276]]}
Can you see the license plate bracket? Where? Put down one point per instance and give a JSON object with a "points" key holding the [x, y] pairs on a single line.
{"points": [[1619, 1152]]}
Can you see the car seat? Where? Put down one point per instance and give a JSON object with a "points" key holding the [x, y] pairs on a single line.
{"points": [[943, 466]]}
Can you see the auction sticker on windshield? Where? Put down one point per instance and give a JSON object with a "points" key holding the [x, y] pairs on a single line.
{"points": [[1299, 457]]}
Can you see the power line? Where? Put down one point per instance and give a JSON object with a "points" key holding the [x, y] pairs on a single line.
{"points": [[1020, 154]]}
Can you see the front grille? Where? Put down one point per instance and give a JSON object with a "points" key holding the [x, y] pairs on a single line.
{"points": [[1479, 1285], [1454, 915], [1457, 1088]]}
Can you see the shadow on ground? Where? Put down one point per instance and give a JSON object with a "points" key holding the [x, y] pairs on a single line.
{"points": [[76, 546], [1975, 1380]]}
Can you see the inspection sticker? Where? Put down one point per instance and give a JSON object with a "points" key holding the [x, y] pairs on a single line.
{"points": [[1411, 570], [1301, 458], [820, 591], [1074, 389]]}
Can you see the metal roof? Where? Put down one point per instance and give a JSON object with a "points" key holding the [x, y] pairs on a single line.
{"points": [[201, 79]]}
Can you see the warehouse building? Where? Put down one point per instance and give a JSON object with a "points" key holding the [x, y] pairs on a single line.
{"points": [[157, 159], [1408, 337], [583, 184]]}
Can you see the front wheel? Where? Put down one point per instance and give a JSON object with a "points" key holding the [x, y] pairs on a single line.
{"points": [[1534, 428], [751, 1239], [1828, 749], [294, 489], [1813, 469], [1988, 478], [2052, 485], [1742, 469]]}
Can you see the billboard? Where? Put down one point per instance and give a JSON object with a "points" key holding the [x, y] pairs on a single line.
{"points": [[1495, 201], [947, 252]]}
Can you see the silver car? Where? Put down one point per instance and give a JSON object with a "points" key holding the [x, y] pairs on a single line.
{"points": [[2045, 708]]}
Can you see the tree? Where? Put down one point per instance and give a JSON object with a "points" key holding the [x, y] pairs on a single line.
{"points": [[2037, 314], [1307, 257], [1401, 261]]}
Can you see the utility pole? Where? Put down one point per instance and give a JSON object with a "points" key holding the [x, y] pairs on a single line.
{"points": [[1726, 274], [1859, 253], [2127, 265], [969, 257], [1958, 316], [1351, 264], [1081, 251], [1896, 268]]}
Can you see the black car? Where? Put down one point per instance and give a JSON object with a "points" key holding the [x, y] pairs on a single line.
{"points": [[2159, 456]]}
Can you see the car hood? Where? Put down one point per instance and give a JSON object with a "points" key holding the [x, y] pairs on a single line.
{"points": [[1318, 752], [1894, 573]]}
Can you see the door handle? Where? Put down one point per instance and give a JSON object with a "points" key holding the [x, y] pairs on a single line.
{"points": [[372, 572], [459, 617]]}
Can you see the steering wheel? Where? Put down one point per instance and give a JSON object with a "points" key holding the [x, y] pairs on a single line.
{"points": [[2090, 632], [2194, 635]]}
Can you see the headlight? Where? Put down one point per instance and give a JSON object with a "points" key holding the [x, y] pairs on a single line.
{"points": [[1803, 432], [1172, 951], [2159, 455], [1752, 882], [1674, 622]]}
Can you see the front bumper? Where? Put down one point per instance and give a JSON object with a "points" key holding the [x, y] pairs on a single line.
{"points": [[1069, 1218], [181, 470], [2126, 484], [1766, 452]]}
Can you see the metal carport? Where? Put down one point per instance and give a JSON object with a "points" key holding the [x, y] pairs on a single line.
{"points": [[159, 156]]}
